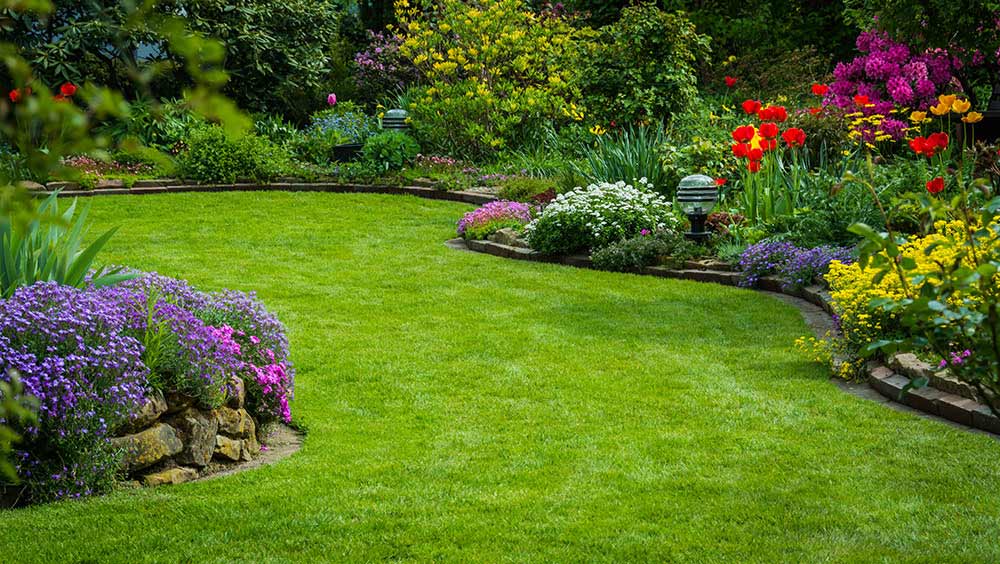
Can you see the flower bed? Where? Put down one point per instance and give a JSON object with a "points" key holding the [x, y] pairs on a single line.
{"points": [[150, 377]]}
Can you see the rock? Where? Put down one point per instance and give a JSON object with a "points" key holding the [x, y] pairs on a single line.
{"points": [[236, 393], [170, 476], [146, 448], [105, 183], [509, 237], [250, 448], [150, 411], [197, 430], [29, 185], [235, 422], [63, 185], [227, 448], [177, 402]]}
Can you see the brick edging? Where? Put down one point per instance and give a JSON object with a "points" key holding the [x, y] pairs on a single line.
{"points": [[945, 397], [171, 187]]}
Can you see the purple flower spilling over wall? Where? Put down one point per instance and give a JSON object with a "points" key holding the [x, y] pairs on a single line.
{"points": [[500, 211], [795, 266]]}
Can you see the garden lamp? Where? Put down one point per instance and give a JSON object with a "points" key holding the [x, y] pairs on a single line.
{"points": [[395, 120], [696, 195]]}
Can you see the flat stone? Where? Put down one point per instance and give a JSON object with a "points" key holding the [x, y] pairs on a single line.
{"points": [[880, 372], [957, 409], [177, 475], [509, 237], [61, 185], [910, 366], [235, 422], [891, 386], [924, 399], [983, 418], [197, 430], [108, 183], [30, 185], [146, 448], [154, 406], [229, 449]]}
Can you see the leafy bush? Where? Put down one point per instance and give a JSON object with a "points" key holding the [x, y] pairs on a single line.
{"points": [[632, 255], [48, 248], [642, 67], [159, 125], [391, 150], [598, 215], [526, 189], [492, 217], [632, 153], [493, 71], [215, 156]]}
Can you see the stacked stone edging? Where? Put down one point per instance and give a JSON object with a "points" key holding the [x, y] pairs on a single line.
{"points": [[944, 396], [170, 186], [171, 440]]}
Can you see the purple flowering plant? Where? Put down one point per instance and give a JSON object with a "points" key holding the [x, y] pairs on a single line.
{"points": [[796, 267], [381, 68], [492, 217]]}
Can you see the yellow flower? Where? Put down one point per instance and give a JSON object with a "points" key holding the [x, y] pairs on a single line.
{"points": [[973, 117], [947, 99], [598, 130], [941, 109], [918, 117], [961, 106]]}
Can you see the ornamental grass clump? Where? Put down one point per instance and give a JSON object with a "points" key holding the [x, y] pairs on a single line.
{"points": [[598, 215], [492, 217]]}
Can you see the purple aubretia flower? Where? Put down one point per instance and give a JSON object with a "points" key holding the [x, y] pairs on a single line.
{"points": [[482, 222]]}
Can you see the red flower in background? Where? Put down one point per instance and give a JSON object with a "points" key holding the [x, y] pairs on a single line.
{"points": [[940, 140], [769, 130], [751, 107], [720, 181], [930, 145], [67, 89], [59, 98], [15, 96], [773, 113], [794, 137], [755, 155], [936, 185], [753, 166], [731, 81], [820, 89], [862, 100], [743, 133], [741, 150], [815, 111]]}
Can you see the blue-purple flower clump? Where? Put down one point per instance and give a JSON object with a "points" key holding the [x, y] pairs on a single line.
{"points": [[796, 267]]}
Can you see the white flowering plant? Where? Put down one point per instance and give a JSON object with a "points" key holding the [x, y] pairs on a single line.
{"points": [[591, 217]]}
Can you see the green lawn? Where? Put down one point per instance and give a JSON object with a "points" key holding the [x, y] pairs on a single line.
{"points": [[467, 408]]}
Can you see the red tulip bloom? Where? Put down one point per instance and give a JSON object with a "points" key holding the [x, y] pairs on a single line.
{"points": [[794, 137], [743, 134], [741, 150], [720, 181], [936, 185], [755, 155], [769, 130], [753, 166], [773, 113], [862, 100], [820, 89], [751, 107], [730, 81], [15, 96], [815, 111], [67, 89], [939, 140]]}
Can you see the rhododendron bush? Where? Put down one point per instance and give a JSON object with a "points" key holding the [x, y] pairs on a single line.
{"points": [[91, 356]]}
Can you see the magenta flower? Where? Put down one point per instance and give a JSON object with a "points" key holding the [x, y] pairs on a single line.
{"points": [[331, 99]]}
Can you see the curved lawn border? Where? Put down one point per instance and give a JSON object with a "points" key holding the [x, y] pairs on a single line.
{"points": [[944, 397]]}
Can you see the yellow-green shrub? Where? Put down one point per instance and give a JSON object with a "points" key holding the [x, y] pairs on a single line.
{"points": [[491, 72]]}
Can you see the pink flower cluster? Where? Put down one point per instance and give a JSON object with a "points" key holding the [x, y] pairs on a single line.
{"points": [[499, 213]]}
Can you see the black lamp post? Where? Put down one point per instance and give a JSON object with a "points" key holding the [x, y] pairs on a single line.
{"points": [[696, 195]]}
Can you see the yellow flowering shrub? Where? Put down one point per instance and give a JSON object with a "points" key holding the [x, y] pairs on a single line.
{"points": [[492, 69]]}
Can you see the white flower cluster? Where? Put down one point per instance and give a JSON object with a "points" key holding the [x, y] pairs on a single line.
{"points": [[607, 212]]}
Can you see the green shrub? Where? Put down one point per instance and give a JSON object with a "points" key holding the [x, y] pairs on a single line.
{"points": [[642, 67], [160, 125], [525, 189], [391, 150], [215, 156], [632, 255]]}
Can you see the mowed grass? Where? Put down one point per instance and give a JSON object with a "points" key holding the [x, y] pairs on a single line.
{"points": [[463, 407]]}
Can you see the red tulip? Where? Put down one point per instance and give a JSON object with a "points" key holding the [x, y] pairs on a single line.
{"points": [[751, 107], [755, 155], [773, 113], [862, 100], [820, 89], [936, 185], [753, 166], [730, 81], [720, 181], [743, 134], [794, 137], [67, 89], [815, 111], [939, 140], [769, 130], [741, 150], [15, 96]]}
